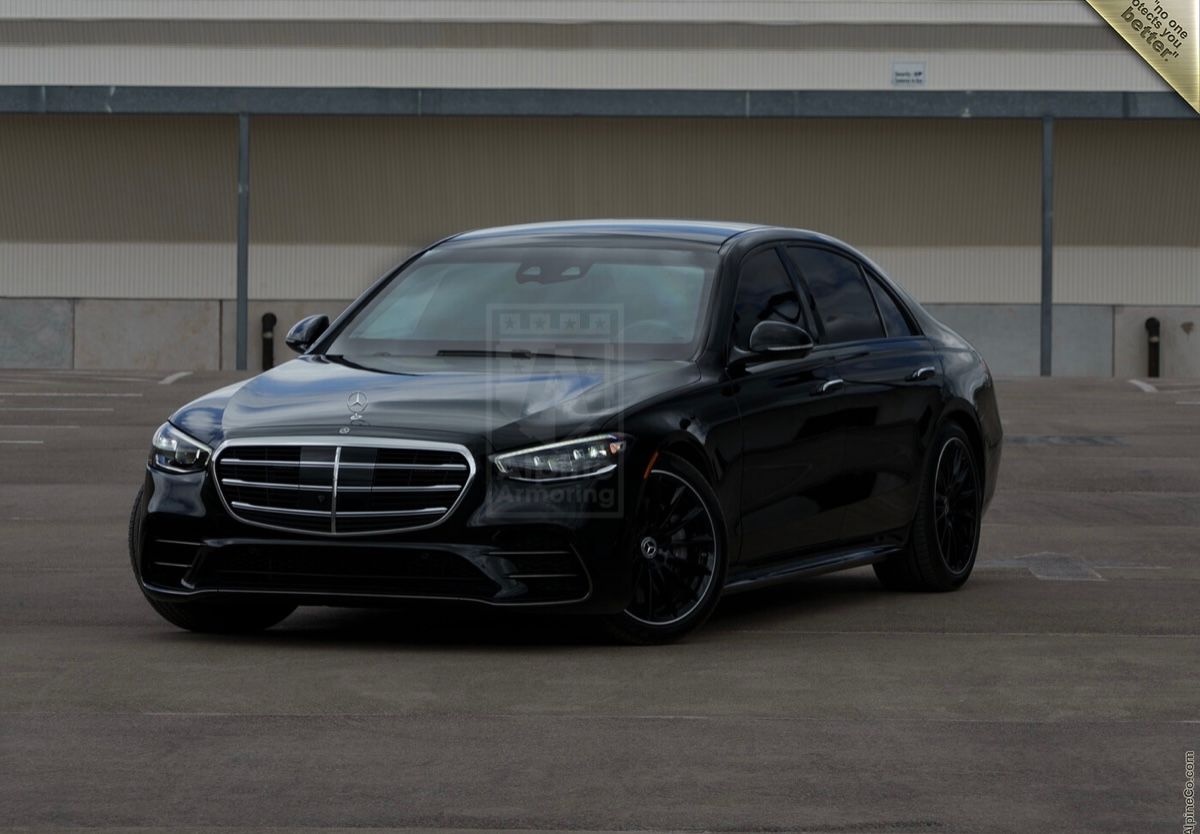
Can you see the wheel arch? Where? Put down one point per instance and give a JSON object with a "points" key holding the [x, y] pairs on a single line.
{"points": [[688, 449], [963, 418]]}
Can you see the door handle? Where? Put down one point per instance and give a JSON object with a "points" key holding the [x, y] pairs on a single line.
{"points": [[832, 385], [922, 374]]}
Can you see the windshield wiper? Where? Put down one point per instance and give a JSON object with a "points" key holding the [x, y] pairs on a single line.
{"points": [[339, 357], [516, 353]]}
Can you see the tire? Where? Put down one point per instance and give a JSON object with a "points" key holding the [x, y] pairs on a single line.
{"points": [[210, 617], [222, 617], [944, 539], [678, 550]]}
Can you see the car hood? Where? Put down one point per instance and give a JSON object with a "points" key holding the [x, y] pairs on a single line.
{"points": [[503, 400]]}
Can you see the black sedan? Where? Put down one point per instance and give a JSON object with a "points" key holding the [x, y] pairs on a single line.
{"points": [[619, 418]]}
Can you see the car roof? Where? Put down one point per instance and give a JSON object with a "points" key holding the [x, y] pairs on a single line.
{"points": [[698, 231]]}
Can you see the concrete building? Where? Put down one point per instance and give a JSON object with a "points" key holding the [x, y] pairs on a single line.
{"points": [[915, 130]]}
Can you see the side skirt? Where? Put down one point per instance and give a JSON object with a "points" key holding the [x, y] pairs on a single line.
{"points": [[760, 577]]}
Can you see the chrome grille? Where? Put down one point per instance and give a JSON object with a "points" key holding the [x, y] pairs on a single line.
{"points": [[347, 486]]}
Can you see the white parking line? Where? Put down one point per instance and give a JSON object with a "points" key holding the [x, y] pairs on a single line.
{"points": [[1187, 402], [82, 376], [60, 394], [48, 408], [175, 377], [1051, 566], [29, 426], [23, 442], [1133, 567], [1144, 386]]}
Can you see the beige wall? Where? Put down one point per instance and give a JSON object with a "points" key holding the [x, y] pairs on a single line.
{"points": [[145, 207], [805, 45], [407, 180], [733, 69], [117, 206], [1127, 183], [1127, 212], [374, 188], [756, 11], [118, 178], [125, 226]]}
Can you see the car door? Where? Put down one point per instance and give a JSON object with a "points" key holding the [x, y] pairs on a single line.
{"points": [[892, 388], [791, 419]]}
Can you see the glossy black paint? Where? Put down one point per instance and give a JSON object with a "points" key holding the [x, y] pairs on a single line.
{"points": [[815, 457]]}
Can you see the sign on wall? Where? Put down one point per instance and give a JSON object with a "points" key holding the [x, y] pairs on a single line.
{"points": [[908, 73]]}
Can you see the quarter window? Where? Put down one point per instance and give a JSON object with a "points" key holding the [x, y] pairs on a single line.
{"points": [[893, 318], [765, 293], [840, 293]]}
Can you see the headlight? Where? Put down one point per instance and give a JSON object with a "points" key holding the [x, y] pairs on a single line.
{"points": [[560, 461], [175, 451]]}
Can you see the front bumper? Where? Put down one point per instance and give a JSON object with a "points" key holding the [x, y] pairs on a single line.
{"points": [[514, 544]]}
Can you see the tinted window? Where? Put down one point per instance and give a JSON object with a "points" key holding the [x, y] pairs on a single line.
{"points": [[582, 300], [840, 292], [893, 318], [765, 293]]}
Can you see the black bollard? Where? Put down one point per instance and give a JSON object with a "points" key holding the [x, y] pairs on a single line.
{"points": [[268, 341], [1152, 332]]}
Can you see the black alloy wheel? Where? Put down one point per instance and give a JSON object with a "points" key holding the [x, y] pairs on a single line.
{"points": [[944, 538], [679, 563], [956, 505]]}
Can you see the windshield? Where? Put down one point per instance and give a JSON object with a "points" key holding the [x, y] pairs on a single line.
{"points": [[621, 297]]}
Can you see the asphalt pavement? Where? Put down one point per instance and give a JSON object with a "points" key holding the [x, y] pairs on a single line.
{"points": [[1057, 692]]}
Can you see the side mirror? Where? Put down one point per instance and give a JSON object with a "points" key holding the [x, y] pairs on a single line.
{"points": [[779, 340], [306, 331]]}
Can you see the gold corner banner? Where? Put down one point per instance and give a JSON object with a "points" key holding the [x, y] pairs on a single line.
{"points": [[1166, 33]]}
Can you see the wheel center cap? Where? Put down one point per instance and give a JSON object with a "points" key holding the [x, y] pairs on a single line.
{"points": [[649, 547]]}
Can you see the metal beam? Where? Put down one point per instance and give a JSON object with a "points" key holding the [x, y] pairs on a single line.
{"points": [[359, 101], [243, 239], [1047, 244]]}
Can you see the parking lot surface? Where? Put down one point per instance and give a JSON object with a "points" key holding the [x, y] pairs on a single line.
{"points": [[1055, 693]]}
